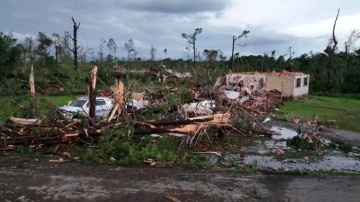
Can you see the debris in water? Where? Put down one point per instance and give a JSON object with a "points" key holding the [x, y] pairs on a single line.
{"points": [[283, 133], [279, 152]]}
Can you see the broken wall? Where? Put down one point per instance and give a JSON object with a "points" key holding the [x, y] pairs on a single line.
{"points": [[303, 89], [284, 84], [257, 78]]}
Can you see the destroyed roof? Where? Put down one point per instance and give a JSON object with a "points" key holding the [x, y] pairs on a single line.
{"points": [[273, 73]]}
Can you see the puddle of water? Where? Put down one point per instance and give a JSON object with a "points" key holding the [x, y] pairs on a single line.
{"points": [[265, 145], [261, 151], [328, 163], [282, 133], [212, 159]]}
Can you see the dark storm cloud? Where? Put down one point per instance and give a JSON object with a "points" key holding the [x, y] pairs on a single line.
{"points": [[170, 6], [149, 22]]}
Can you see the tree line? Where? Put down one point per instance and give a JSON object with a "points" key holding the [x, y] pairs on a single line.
{"points": [[61, 60]]}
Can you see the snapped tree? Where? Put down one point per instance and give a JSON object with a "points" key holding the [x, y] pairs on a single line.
{"points": [[330, 50], [234, 39], [130, 48], [74, 38], [191, 39], [112, 50], [101, 49], [152, 53]]}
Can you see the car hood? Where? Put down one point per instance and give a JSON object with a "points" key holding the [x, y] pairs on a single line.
{"points": [[71, 109]]}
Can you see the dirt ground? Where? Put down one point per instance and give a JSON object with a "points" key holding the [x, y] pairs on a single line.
{"points": [[34, 178]]}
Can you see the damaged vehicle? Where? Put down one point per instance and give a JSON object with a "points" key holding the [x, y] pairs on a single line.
{"points": [[81, 106]]}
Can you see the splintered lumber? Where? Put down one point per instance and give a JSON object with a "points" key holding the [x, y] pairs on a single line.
{"points": [[92, 92], [208, 152], [32, 91], [137, 96], [119, 94], [187, 126], [209, 119], [22, 121], [180, 122], [32, 82]]}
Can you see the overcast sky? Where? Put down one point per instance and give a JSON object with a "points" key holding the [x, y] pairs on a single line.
{"points": [[305, 25]]}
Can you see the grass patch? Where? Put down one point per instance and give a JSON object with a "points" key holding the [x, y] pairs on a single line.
{"points": [[345, 111], [18, 106]]}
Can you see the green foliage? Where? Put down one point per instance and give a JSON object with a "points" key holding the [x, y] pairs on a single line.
{"points": [[121, 146], [19, 106], [194, 161], [12, 87], [9, 55], [299, 142]]}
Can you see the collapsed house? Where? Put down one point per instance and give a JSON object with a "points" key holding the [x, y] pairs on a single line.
{"points": [[289, 84]]}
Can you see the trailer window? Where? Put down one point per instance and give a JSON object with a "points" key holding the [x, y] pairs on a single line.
{"points": [[298, 83], [305, 81]]}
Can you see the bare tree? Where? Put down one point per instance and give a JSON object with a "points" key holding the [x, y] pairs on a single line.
{"points": [[290, 53], [112, 50], [191, 39], [273, 53], [130, 48], [330, 50], [112, 46], [234, 39], [29, 48], [221, 55], [74, 39], [152, 53], [57, 45], [349, 46], [84, 52], [101, 49], [211, 55]]}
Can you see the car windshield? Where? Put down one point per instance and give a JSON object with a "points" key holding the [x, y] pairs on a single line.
{"points": [[78, 103]]}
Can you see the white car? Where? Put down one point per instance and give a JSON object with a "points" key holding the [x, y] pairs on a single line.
{"points": [[80, 106]]}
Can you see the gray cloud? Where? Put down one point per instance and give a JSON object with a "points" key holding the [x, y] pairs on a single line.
{"points": [[149, 22], [170, 7]]}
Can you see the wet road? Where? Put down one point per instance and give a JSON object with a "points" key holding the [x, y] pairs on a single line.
{"points": [[38, 180]]}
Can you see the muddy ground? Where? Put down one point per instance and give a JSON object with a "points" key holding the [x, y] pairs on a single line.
{"points": [[328, 175], [34, 178]]}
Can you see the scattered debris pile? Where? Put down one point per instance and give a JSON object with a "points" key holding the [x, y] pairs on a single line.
{"points": [[163, 73], [309, 134], [37, 134], [247, 93], [235, 105]]}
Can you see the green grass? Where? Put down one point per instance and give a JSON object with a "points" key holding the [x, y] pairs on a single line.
{"points": [[345, 111], [18, 106]]}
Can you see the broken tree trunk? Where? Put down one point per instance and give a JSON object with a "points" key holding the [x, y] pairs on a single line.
{"points": [[189, 126], [32, 91], [331, 54], [92, 92], [119, 94]]}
